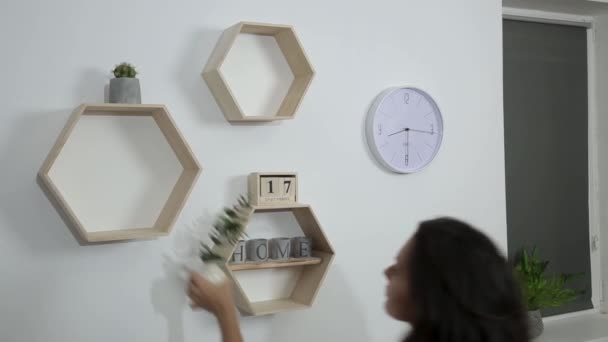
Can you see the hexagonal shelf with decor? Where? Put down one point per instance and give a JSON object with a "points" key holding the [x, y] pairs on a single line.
{"points": [[119, 172], [289, 93], [313, 270]]}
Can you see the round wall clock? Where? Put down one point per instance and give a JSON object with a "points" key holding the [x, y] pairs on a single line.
{"points": [[404, 129]]}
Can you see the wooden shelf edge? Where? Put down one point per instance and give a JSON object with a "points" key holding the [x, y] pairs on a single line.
{"points": [[275, 264], [275, 306], [124, 234], [114, 106], [280, 207], [261, 118], [264, 25]]}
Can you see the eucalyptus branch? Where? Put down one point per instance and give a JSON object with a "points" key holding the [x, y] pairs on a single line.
{"points": [[228, 229]]}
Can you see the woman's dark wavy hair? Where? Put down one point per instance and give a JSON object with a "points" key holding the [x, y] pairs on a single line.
{"points": [[462, 288]]}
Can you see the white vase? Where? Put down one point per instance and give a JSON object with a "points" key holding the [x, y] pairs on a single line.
{"points": [[210, 270]]}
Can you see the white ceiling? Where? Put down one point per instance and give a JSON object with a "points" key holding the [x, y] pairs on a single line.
{"points": [[579, 7]]}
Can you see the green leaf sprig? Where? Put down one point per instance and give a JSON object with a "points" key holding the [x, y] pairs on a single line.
{"points": [[228, 229], [541, 290]]}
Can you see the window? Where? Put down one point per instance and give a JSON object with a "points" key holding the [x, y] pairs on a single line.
{"points": [[546, 147]]}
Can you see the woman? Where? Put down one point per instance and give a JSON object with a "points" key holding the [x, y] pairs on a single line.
{"points": [[449, 282]]}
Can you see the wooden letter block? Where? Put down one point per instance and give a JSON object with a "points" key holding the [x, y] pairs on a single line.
{"points": [[270, 186], [289, 188]]}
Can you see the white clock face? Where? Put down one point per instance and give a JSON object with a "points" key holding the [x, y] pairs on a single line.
{"points": [[404, 129]]}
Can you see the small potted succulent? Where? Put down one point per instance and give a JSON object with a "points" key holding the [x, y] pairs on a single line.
{"points": [[541, 290], [124, 87]]}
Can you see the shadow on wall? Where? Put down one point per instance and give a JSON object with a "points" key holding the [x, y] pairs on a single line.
{"points": [[92, 86], [189, 75], [23, 206], [168, 297], [366, 143], [151, 149], [336, 315], [168, 301], [237, 186]]}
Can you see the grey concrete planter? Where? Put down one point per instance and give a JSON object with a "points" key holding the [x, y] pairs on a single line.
{"points": [[125, 90], [535, 323]]}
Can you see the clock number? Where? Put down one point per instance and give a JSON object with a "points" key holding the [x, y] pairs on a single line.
{"points": [[288, 182], [270, 187], [406, 98], [432, 129], [379, 129]]}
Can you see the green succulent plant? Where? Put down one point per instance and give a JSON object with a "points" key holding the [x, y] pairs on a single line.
{"points": [[228, 228], [539, 289], [124, 70]]}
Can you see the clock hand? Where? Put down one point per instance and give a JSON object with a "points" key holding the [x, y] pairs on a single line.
{"points": [[417, 130], [407, 146], [401, 131]]}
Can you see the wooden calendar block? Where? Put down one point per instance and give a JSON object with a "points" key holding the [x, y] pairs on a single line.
{"points": [[270, 189]]}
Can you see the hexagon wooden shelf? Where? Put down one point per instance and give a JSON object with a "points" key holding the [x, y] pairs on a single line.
{"points": [[313, 272], [86, 173], [293, 53]]}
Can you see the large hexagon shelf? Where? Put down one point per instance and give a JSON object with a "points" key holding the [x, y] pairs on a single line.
{"points": [[294, 56], [119, 172], [313, 269]]}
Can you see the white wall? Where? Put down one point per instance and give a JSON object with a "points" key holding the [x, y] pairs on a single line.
{"points": [[57, 54]]}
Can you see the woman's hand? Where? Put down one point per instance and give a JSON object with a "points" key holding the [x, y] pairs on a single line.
{"points": [[215, 298]]}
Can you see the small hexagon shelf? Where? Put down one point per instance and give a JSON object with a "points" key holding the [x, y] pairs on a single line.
{"points": [[311, 277], [119, 172], [290, 49]]}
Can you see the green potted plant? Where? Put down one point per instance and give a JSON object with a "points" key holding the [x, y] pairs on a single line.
{"points": [[541, 290], [124, 87], [228, 229]]}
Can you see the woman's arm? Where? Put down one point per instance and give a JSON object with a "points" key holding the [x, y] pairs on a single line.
{"points": [[218, 300], [229, 324]]}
